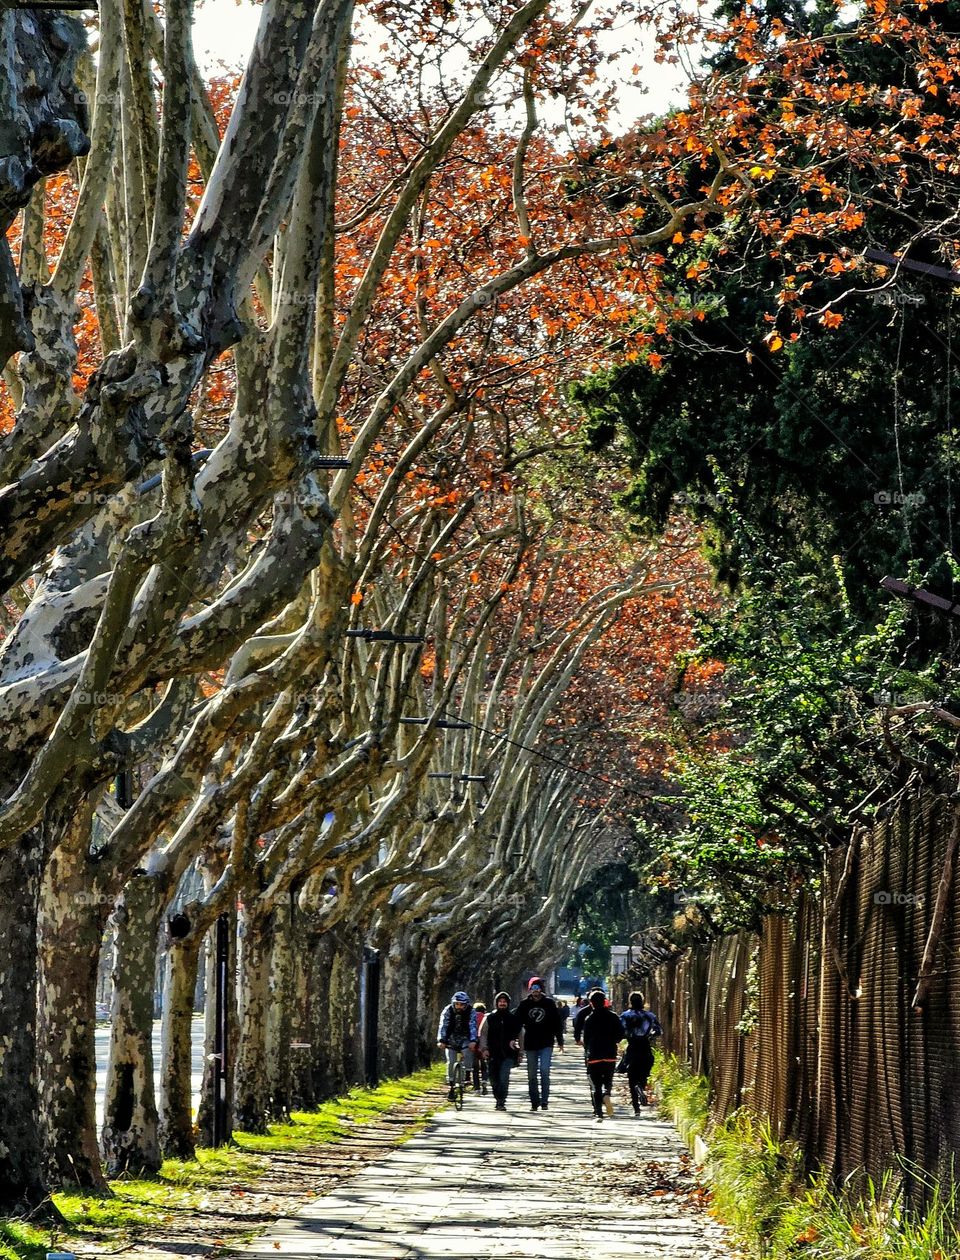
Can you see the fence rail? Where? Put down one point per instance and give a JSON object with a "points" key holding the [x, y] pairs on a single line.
{"points": [[811, 1023]]}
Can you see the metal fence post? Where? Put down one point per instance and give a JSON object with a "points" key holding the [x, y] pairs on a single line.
{"points": [[371, 1015], [221, 1031]]}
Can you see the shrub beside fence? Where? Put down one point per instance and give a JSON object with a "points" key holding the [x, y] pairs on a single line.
{"points": [[811, 1024]]}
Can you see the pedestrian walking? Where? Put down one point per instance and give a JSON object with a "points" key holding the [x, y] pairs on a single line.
{"points": [[583, 1012], [480, 1069], [500, 1046], [641, 1027], [542, 1029], [601, 1033]]}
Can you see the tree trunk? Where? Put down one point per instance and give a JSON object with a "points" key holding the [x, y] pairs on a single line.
{"points": [[429, 1008], [303, 1090], [73, 914], [397, 1032], [279, 1027], [251, 1086], [130, 1140], [320, 964], [176, 1091], [21, 1179], [343, 1014]]}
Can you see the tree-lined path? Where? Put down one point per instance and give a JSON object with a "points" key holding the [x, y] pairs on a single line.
{"points": [[532, 1185]]}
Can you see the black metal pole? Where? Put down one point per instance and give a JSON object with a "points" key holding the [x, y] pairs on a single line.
{"points": [[371, 1016], [123, 787], [221, 1031]]}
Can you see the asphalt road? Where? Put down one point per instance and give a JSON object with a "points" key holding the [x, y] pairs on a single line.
{"points": [[103, 1041]]}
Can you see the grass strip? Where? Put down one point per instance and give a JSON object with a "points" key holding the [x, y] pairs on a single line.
{"points": [[138, 1204], [776, 1211]]}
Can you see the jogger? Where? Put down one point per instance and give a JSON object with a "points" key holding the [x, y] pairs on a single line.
{"points": [[641, 1027], [602, 1033]]}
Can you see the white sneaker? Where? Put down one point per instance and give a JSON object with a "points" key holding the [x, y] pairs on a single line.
{"points": [[608, 1104]]}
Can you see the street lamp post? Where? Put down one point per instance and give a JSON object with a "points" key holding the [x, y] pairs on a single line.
{"points": [[371, 1016]]}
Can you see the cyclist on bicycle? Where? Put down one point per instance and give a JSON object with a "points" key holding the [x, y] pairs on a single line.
{"points": [[458, 1032]]}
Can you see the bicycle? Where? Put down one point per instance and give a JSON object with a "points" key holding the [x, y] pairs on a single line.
{"points": [[459, 1078]]}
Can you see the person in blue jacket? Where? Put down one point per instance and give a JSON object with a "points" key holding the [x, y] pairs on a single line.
{"points": [[641, 1027], [458, 1031]]}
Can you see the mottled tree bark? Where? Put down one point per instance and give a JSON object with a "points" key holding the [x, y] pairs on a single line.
{"points": [[397, 1032], [21, 1179], [73, 915], [176, 1094], [303, 1093], [343, 1013], [321, 962], [279, 1027], [429, 1006], [251, 1089], [130, 1140]]}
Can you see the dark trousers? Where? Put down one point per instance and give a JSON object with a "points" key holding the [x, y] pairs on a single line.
{"points": [[639, 1063], [480, 1071], [500, 1077], [601, 1082]]}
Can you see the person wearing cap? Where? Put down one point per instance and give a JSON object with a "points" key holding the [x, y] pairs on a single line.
{"points": [[601, 1033], [500, 1046], [458, 1031], [542, 1029]]}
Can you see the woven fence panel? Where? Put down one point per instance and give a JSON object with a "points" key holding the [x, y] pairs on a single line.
{"points": [[729, 966], [839, 1059], [776, 1031], [699, 992], [802, 1119]]}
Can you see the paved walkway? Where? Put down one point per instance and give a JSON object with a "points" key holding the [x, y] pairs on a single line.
{"points": [[532, 1185]]}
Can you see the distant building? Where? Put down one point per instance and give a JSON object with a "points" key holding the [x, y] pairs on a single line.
{"points": [[622, 958], [566, 980]]}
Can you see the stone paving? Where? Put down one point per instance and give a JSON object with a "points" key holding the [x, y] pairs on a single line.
{"points": [[482, 1183]]}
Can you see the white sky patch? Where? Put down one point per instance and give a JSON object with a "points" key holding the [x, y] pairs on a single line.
{"points": [[224, 30]]}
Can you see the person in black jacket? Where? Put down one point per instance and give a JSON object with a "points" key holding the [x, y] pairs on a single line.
{"points": [[601, 1033], [500, 1045], [542, 1027]]}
